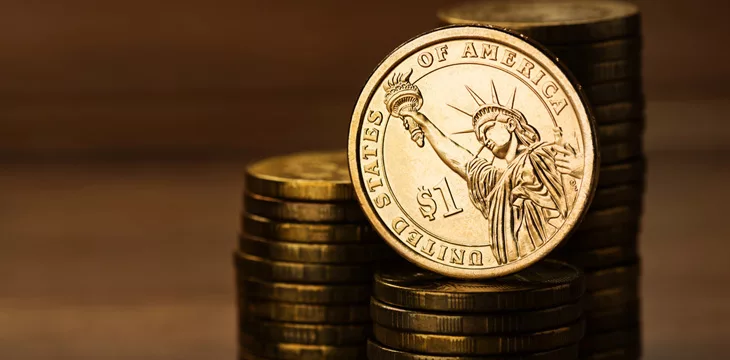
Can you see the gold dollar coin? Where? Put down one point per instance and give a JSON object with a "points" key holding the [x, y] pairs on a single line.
{"points": [[621, 49], [561, 22], [284, 271], [600, 258], [615, 91], [287, 351], [308, 233], [479, 344], [625, 111], [630, 172], [612, 319], [622, 233], [305, 313], [611, 298], [377, 351], [316, 212], [310, 334], [630, 353], [311, 176], [617, 196], [626, 338], [612, 277], [473, 323], [546, 284], [314, 253], [305, 293], [443, 145]]}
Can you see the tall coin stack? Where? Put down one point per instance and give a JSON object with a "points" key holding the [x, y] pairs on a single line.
{"points": [[600, 42], [304, 265], [533, 314]]}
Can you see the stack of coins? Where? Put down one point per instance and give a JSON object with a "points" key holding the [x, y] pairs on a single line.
{"points": [[305, 261], [600, 43], [533, 314]]}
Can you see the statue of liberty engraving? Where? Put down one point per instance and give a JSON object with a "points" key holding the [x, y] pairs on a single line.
{"points": [[525, 201]]}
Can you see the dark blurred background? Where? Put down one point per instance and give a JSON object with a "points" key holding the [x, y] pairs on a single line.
{"points": [[124, 126]]}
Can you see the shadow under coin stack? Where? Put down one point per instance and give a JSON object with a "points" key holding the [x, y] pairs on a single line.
{"points": [[600, 42], [305, 261], [533, 314]]}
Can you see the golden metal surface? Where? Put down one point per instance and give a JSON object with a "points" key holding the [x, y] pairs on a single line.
{"points": [[630, 172], [305, 293], [305, 313], [480, 345], [546, 284], [316, 212], [308, 233], [627, 338], [612, 277], [249, 265], [310, 176], [612, 319], [314, 253], [610, 298], [619, 112], [455, 191], [473, 323], [562, 22], [289, 351], [377, 351]]}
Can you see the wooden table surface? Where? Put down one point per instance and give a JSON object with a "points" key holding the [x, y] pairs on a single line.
{"points": [[133, 261]]}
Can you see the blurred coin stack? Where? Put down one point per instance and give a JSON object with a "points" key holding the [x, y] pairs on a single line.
{"points": [[304, 265], [533, 314], [600, 43]]}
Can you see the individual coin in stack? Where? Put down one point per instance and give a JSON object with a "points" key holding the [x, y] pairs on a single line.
{"points": [[533, 314]]}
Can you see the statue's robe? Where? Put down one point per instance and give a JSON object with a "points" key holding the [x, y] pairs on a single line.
{"points": [[519, 202]]}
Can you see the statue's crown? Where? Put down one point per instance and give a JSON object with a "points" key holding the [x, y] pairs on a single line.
{"points": [[400, 92], [496, 106]]}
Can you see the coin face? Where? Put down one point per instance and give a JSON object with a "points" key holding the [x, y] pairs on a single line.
{"points": [[471, 152]]}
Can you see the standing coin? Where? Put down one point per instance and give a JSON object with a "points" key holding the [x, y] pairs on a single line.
{"points": [[442, 191], [312, 176], [305, 313], [299, 272], [479, 345], [344, 212], [288, 351], [308, 233], [314, 253], [310, 334], [545, 284], [306, 293], [377, 351], [562, 22], [473, 323]]}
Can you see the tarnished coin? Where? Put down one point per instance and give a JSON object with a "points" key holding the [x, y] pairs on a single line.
{"points": [[305, 313], [610, 71], [623, 173], [288, 351], [275, 209], [615, 91], [620, 132], [473, 323], [310, 334], [612, 319], [621, 152], [600, 258], [563, 22], [480, 107], [479, 344], [308, 233], [610, 298], [593, 343], [617, 196], [619, 112], [314, 253], [249, 265], [306, 293], [377, 351], [310, 176], [631, 353], [621, 49], [612, 277], [622, 233], [612, 217], [546, 284]]}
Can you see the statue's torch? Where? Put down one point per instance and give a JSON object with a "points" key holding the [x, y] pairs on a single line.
{"points": [[400, 95]]}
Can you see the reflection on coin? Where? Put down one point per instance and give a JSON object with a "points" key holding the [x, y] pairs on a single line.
{"points": [[299, 272], [620, 132], [344, 212], [473, 323], [563, 22], [631, 353], [479, 345], [610, 298], [611, 319], [621, 152], [314, 253], [306, 293], [545, 284], [621, 49], [619, 112], [612, 217], [612, 277], [617, 196], [311, 176], [439, 178], [593, 343], [377, 351], [609, 71], [622, 173], [288, 351], [311, 334], [626, 233], [305, 313], [615, 91], [600, 258], [308, 233]]}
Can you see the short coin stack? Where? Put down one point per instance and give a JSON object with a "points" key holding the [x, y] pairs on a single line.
{"points": [[600, 43], [533, 314], [305, 261]]}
